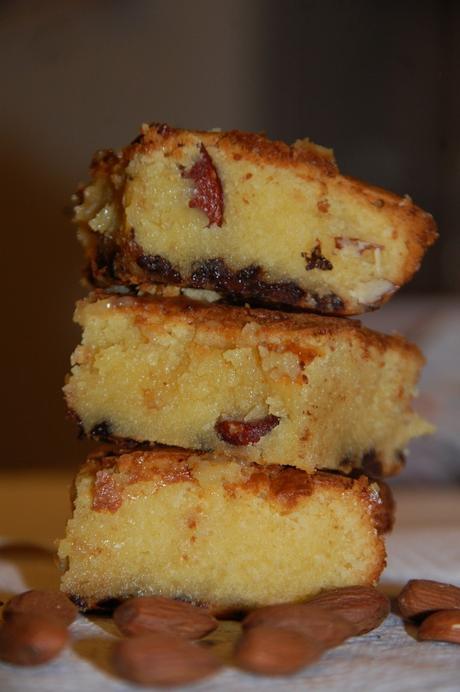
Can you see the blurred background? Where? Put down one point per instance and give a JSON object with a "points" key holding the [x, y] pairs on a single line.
{"points": [[377, 81]]}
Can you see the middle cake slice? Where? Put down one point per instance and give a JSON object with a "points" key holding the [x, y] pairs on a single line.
{"points": [[309, 391]]}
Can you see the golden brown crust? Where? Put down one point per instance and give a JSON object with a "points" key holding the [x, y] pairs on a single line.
{"points": [[113, 470], [112, 473], [230, 320], [421, 228], [251, 146]]}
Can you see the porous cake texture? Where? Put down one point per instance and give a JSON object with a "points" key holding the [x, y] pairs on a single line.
{"points": [[262, 385], [214, 531], [254, 219]]}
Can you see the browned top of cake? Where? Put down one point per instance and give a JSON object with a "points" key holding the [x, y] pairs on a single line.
{"points": [[230, 320], [308, 159], [114, 470], [248, 145]]}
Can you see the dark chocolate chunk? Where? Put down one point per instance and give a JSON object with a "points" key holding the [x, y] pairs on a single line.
{"points": [[316, 260], [102, 268], [101, 431], [211, 272], [283, 292], [214, 273], [109, 267], [159, 267], [371, 464], [105, 260]]}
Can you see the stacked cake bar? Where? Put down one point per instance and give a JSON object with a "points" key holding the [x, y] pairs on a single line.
{"points": [[246, 422]]}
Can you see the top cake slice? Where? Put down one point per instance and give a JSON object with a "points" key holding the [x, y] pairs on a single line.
{"points": [[253, 219]]}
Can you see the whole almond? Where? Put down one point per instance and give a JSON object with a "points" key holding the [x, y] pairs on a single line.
{"points": [[422, 596], [28, 640], [325, 627], [139, 616], [36, 602], [162, 659], [362, 606], [442, 626], [275, 650]]}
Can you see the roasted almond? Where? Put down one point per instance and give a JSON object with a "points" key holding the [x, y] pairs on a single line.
{"points": [[442, 626], [28, 640], [162, 659], [243, 433], [139, 616], [271, 650], [207, 194], [362, 606], [323, 626], [37, 602], [422, 596]]}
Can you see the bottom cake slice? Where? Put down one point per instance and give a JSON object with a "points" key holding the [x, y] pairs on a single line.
{"points": [[207, 529]]}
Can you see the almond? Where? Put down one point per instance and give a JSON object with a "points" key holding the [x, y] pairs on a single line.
{"points": [[362, 606], [36, 602], [28, 640], [326, 628], [443, 626], [241, 433], [207, 194], [371, 293], [422, 596], [271, 650], [139, 616], [162, 659]]}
